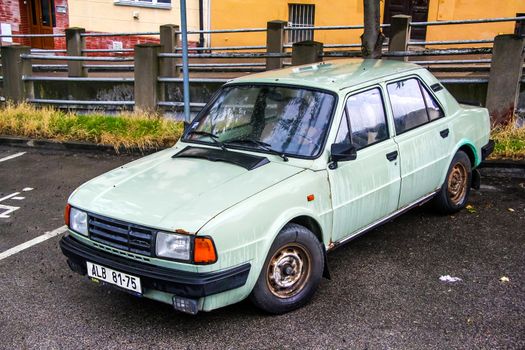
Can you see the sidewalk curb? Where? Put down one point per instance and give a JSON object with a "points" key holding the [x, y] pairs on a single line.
{"points": [[72, 146], [503, 163], [92, 147]]}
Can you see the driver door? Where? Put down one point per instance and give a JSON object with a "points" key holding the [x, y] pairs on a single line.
{"points": [[366, 189]]}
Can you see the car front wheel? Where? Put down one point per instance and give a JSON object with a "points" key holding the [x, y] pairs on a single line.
{"points": [[291, 272], [454, 192]]}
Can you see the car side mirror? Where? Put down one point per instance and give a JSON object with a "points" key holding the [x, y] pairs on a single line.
{"points": [[340, 152]]}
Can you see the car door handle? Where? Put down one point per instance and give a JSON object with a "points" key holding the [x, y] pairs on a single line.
{"points": [[391, 156], [444, 133]]}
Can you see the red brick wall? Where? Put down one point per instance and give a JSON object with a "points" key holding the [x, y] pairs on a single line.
{"points": [[15, 12], [10, 13]]}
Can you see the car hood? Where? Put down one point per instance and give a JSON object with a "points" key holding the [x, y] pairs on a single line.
{"points": [[168, 193]]}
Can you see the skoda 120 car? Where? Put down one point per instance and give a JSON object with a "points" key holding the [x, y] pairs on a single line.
{"points": [[276, 171]]}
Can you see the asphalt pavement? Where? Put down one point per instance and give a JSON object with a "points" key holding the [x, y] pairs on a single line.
{"points": [[385, 291]]}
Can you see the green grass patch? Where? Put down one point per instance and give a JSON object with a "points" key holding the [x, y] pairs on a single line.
{"points": [[125, 130], [510, 142]]}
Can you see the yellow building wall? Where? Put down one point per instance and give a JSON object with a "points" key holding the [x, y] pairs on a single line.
{"points": [[442, 10], [106, 16], [228, 14]]}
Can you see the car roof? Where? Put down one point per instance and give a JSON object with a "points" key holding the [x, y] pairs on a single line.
{"points": [[332, 75]]}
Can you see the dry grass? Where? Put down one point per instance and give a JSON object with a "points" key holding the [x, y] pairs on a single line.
{"points": [[510, 142], [126, 130]]}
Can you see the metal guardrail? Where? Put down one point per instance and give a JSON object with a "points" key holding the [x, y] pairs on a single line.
{"points": [[347, 27], [194, 80], [107, 50], [288, 28], [444, 52], [227, 55], [80, 102], [81, 79], [60, 35], [208, 53], [225, 48], [451, 42], [467, 21], [76, 58], [485, 60], [179, 104], [95, 34]]}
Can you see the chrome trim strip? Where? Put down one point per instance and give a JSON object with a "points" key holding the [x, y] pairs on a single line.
{"points": [[379, 222]]}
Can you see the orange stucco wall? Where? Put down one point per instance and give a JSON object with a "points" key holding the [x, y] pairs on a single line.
{"points": [[227, 14]]}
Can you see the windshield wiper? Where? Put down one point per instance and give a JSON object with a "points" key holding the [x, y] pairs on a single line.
{"points": [[212, 136], [260, 144]]}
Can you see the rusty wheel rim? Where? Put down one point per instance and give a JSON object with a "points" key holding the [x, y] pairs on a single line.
{"points": [[288, 270], [457, 183]]}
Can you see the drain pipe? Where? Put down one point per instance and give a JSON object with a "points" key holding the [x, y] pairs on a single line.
{"points": [[201, 23]]}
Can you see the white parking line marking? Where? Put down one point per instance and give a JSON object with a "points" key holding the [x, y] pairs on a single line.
{"points": [[27, 189], [33, 242], [12, 156], [8, 210], [9, 196], [19, 198]]}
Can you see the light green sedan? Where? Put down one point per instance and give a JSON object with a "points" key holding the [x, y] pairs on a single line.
{"points": [[278, 169]]}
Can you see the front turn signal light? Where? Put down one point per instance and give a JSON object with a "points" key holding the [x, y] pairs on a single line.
{"points": [[204, 251], [67, 210]]}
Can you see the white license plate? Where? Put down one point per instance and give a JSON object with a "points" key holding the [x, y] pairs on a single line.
{"points": [[116, 278]]}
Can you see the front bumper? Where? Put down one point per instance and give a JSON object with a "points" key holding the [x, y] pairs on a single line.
{"points": [[181, 283]]}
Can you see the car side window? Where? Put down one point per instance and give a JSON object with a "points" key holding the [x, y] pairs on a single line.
{"points": [[367, 117], [412, 105], [433, 109]]}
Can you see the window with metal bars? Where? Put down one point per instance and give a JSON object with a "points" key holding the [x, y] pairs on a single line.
{"points": [[300, 16]]}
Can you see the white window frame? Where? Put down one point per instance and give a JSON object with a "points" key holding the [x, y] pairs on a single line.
{"points": [[143, 3]]}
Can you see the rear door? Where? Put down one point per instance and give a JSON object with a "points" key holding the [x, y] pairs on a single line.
{"points": [[366, 189], [423, 136]]}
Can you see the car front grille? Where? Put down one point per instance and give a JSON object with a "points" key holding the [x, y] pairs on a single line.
{"points": [[121, 235]]}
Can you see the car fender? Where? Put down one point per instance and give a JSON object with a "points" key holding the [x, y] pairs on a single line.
{"points": [[462, 142], [245, 232]]}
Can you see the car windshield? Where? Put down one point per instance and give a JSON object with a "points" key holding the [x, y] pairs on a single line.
{"points": [[285, 120]]}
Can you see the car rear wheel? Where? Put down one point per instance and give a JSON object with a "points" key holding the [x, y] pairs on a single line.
{"points": [[291, 272], [454, 192]]}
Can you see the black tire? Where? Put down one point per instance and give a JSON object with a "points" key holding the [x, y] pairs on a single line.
{"points": [[295, 249], [455, 191]]}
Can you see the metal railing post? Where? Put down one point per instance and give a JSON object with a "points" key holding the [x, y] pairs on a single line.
{"points": [[506, 69], [146, 89], [185, 63], [75, 45], [275, 43], [168, 42], [305, 52], [16, 89], [399, 35]]}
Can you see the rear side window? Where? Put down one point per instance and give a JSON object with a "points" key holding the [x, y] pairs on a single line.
{"points": [[412, 105], [366, 113], [433, 109]]}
